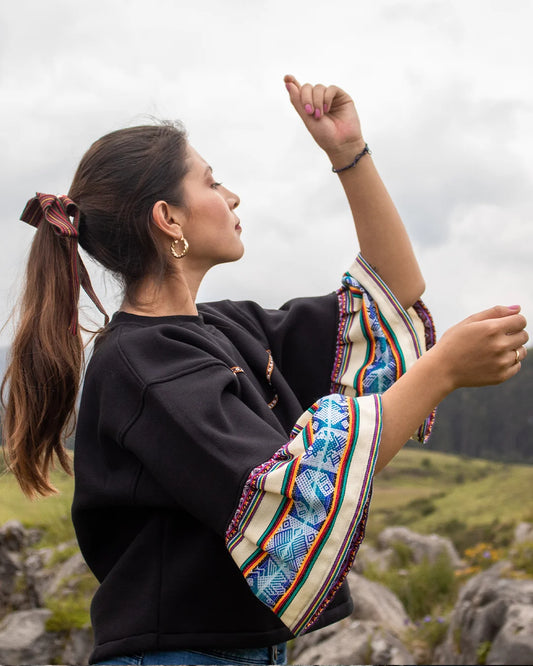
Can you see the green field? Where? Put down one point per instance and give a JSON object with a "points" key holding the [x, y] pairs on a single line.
{"points": [[467, 499]]}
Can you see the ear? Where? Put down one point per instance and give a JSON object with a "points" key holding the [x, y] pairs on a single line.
{"points": [[168, 219]]}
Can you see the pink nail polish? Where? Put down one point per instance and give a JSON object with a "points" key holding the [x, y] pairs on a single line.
{"points": [[513, 307], [308, 108], [287, 86], [325, 108], [317, 113]]}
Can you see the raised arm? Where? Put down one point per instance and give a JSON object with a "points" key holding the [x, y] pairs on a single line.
{"points": [[331, 118]]}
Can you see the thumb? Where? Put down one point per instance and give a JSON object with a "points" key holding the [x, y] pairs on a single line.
{"points": [[495, 312]]}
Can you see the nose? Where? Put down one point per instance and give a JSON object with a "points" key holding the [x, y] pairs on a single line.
{"points": [[233, 199]]}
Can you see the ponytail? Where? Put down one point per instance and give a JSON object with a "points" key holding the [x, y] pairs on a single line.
{"points": [[116, 184], [43, 375]]}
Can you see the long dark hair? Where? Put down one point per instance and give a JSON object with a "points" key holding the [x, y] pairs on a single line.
{"points": [[116, 184]]}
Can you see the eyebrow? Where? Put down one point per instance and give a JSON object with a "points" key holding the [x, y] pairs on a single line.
{"points": [[208, 169]]}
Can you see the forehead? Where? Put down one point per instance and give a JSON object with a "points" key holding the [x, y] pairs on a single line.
{"points": [[195, 161]]}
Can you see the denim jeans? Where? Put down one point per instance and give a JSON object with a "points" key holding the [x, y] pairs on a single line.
{"points": [[277, 654]]}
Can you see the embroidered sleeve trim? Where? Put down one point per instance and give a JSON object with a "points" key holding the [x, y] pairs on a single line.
{"points": [[377, 339], [302, 514]]}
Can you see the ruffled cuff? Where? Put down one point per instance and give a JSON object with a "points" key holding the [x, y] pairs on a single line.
{"points": [[302, 514], [377, 339]]}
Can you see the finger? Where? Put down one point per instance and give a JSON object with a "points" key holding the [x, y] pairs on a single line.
{"points": [[495, 312], [294, 88], [516, 340], [518, 355], [318, 99], [513, 323], [329, 96], [306, 98]]}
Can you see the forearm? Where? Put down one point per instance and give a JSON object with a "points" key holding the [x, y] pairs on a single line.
{"points": [[382, 237], [408, 402]]}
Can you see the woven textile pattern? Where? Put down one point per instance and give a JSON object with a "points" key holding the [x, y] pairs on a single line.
{"points": [[293, 536]]}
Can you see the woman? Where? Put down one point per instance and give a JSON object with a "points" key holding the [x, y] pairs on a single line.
{"points": [[224, 453]]}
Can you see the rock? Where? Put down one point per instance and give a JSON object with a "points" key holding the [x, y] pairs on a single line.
{"points": [[523, 533], [24, 640], [422, 546], [372, 632], [78, 647], [13, 536], [62, 578], [492, 614], [375, 602], [356, 643], [10, 570], [368, 556], [514, 642]]}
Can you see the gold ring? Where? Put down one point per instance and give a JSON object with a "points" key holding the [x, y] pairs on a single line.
{"points": [[517, 356]]}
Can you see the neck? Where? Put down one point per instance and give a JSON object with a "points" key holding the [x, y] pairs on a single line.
{"points": [[176, 295]]}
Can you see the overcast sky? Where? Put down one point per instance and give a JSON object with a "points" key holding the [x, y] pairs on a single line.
{"points": [[443, 89]]}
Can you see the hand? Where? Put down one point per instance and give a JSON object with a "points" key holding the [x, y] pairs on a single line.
{"points": [[330, 116], [481, 350]]}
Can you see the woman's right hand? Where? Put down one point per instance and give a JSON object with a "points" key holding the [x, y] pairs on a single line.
{"points": [[478, 351], [482, 349]]}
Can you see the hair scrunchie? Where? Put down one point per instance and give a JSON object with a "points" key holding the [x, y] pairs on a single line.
{"points": [[58, 211]]}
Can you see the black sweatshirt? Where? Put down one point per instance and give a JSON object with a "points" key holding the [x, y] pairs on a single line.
{"points": [[182, 419]]}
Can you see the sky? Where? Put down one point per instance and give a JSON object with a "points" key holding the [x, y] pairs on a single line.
{"points": [[443, 89]]}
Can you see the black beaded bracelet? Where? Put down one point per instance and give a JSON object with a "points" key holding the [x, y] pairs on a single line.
{"points": [[365, 150]]}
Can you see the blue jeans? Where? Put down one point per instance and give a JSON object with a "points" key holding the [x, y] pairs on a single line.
{"points": [[277, 654]]}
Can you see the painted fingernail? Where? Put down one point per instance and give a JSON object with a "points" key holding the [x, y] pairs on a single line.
{"points": [[308, 108], [317, 113], [288, 87], [513, 307], [326, 108]]}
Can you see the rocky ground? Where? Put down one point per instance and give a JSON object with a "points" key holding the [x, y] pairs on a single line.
{"points": [[491, 623]]}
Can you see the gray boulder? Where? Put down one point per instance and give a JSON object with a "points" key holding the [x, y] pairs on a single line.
{"points": [[523, 533], [376, 603], [24, 639], [492, 620], [422, 546], [355, 642]]}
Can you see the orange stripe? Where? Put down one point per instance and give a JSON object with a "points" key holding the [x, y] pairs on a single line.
{"points": [[332, 514]]}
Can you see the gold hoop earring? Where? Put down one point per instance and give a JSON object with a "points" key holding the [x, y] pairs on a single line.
{"points": [[183, 252]]}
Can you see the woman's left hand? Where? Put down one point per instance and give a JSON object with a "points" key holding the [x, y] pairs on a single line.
{"points": [[329, 114]]}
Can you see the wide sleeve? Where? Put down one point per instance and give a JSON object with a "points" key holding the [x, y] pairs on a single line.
{"points": [[302, 514], [377, 339]]}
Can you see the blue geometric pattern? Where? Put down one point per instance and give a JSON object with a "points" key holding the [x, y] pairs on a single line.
{"points": [[312, 497], [382, 373]]}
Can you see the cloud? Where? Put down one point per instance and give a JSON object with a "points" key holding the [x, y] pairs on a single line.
{"points": [[442, 89]]}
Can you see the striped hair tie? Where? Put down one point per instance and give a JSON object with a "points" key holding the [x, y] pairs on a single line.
{"points": [[64, 216]]}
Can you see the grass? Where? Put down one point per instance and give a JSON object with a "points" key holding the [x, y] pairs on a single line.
{"points": [[49, 514], [468, 500]]}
